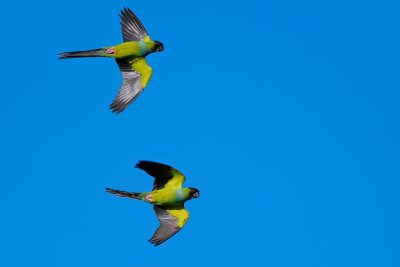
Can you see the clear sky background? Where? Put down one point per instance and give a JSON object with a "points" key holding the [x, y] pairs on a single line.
{"points": [[285, 114]]}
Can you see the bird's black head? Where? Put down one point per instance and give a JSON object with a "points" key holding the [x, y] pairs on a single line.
{"points": [[194, 193], [158, 46]]}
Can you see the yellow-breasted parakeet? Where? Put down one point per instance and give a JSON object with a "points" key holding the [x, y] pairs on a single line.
{"points": [[168, 198], [130, 57]]}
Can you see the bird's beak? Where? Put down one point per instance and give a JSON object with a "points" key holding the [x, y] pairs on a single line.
{"points": [[196, 195], [158, 46]]}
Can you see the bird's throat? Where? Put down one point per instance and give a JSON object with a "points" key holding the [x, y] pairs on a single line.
{"points": [[179, 195]]}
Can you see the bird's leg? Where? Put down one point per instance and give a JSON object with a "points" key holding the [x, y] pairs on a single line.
{"points": [[149, 198], [110, 50]]}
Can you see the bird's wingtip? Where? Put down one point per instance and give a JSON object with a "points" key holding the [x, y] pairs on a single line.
{"points": [[154, 243], [137, 165], [114, 109]]}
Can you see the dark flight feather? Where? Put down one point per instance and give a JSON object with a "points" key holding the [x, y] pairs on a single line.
{"points": [[132, 28]]}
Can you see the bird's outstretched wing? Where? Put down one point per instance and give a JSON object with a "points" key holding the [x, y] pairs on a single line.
{"points": [[136, 74], [172, 220], [165, 176], [132, 28]]}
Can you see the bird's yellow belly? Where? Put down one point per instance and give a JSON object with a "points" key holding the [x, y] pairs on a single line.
{"points": [[127, 49], [164, 197]]}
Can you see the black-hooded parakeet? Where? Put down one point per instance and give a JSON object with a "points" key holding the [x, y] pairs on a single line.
{"points": [[130, 57], [168, 199]]}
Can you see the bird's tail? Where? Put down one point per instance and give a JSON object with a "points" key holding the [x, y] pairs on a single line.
{"points": [[124, 193], [100, 52]]}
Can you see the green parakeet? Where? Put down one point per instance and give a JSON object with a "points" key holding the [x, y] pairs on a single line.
{"points": [[130, 57], [168, 198]]}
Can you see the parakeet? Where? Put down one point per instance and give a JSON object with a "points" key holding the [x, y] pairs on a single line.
{"points": [[130, 57], [168, 198]]}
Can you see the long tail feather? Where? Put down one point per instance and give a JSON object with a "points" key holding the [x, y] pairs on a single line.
{"points": [[86, 53], [123, 193]]}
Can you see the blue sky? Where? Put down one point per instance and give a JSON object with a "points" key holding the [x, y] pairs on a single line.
{"points": [[285, 114]]}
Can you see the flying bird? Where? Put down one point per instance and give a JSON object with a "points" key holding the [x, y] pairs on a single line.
{"points": [[168, 199], [130, 57]]}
